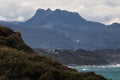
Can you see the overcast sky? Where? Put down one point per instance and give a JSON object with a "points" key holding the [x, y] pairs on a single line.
{"points": [[104, 11]]}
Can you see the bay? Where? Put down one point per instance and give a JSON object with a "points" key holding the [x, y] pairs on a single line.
{"points": [[111, 72]]}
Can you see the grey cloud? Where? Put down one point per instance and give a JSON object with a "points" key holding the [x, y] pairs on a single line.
{"points": [[12, 10], [113, 3]]}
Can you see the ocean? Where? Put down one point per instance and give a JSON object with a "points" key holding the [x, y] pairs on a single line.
{"points": [[111, 72]]}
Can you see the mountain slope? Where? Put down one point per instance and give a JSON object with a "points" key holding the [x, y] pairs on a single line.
{"points": [[67, 30], [18, 63]]}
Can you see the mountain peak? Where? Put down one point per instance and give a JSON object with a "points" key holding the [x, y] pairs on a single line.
{"points": [[59, 16], [49, 10], [43, 10], [39, 11], [57, 10], [115, 25]]}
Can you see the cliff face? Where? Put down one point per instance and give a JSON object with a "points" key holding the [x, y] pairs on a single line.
{"points": [[17, 64]]}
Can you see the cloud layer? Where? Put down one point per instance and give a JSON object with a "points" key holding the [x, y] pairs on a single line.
{"points": [[104, 11]]}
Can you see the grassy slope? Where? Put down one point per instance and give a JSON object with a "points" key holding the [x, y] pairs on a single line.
{"points": [[17, 63]]}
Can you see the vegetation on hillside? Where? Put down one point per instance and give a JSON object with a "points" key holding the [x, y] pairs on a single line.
{"points": [[83, 57], [18, 64], [12, 39], [74, 57]]}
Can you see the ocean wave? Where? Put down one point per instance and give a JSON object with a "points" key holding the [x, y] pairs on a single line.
{"points": [[85, 69], [98, 66]]}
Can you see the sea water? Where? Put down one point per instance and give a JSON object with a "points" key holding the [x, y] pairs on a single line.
{"points": [[111, 72]]}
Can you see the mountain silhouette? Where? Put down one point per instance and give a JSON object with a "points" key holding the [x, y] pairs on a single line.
{"points": [[61, 29]]}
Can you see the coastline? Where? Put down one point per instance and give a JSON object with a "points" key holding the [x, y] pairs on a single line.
{"points": [[111, 72], [100, 66]]}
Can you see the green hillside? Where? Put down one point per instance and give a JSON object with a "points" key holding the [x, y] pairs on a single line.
{"points": [[19, 62]]}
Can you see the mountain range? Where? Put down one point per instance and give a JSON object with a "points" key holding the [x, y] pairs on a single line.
{"points": [[61, 29]]}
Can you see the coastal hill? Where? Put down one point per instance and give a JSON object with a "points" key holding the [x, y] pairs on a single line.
{"points": [[17, 63], [12, 39], [61, 29]]}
